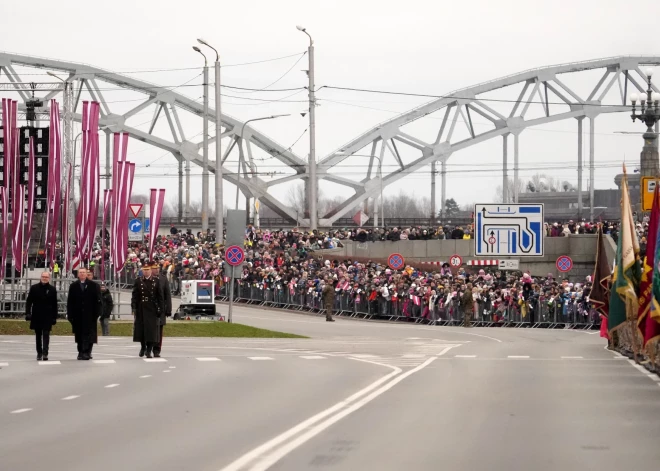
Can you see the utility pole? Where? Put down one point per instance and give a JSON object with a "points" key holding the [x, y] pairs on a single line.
{"points": [[313, 193]]}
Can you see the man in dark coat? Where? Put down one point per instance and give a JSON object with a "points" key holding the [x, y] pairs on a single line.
{"points": [[41, 311], [83, 308], [328, 297], [167, 302], [147, 306]]}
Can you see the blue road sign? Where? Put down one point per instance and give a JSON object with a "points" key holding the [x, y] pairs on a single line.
{"points": [[147, 225], [135, 225], [508, 229]]}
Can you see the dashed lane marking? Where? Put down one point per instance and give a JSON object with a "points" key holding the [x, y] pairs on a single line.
{"points": [[145, 376], [259, 358], [572, 358], [20, 411], [50, 363], [70, 398], [312, 357], [4, 364], [104, 362], [111, 386], [155, 360], [167, 371], [518, 356], [208, 359]]}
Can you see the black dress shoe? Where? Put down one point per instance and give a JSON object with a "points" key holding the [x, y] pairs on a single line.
{"points": [[86, 357], [329, 320], [142, 350], [39, 357], [156, 355], [45, 357], [80, 357], [149, 355]]}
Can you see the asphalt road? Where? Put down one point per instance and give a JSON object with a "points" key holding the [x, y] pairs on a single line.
{"points": [[355, 396]]}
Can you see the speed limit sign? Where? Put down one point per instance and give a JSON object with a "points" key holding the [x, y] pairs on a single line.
{"points": [[455, 261]]}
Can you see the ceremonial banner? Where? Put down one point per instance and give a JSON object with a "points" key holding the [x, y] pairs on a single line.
{"points": [[600, 291], [17, 224], [65, 222], [30, 199], [5, 228], [107, 196], [156, 210], [624, 303]]}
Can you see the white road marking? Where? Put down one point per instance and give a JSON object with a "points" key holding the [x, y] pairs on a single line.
{"points": [[104, 362], [50, 363], [653, 377], [445, 350], [518, 356], [572, 358], [166, 371], [4, 364], [145, 376], [259, 358], [172, 367], [112, 386], [70, 398], [312, 357], [20, 411], [267, 455], [465, 356], [155, 360], [208, 359]]}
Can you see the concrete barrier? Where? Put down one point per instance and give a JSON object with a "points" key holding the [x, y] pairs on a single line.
{"points": [[581, 249]]}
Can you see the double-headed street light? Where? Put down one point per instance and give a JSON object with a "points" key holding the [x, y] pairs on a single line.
{"points": [[205, 153], [649, 114], [219, 207]]}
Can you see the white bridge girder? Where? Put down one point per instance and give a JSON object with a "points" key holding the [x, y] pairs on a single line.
{"points": [[539, 85]]}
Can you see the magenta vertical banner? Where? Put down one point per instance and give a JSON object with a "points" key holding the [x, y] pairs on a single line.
{"points": [[156, 210], [5, 229], [65, 222], [30, 200], [107, 199], [18, 210]]}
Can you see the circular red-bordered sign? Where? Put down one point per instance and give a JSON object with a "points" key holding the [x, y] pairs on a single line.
{"points": [[396, 261], [564, 263], [234, 255], [455, 261]]}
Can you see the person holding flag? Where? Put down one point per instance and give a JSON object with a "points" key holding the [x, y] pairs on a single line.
{"points": [[600, 291]]}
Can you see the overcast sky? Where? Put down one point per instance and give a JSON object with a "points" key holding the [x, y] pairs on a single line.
{"points": [[427, 47]]}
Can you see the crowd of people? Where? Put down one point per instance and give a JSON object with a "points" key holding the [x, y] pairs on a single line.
{"points": [[285, 264]]}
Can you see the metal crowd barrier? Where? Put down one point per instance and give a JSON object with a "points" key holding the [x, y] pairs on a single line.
{"points": [[536, 313]]}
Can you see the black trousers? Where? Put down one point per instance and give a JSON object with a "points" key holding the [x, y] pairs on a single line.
{"points": [[43, 340], [84, 347], [158, 346]]}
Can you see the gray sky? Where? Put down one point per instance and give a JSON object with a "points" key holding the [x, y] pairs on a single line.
{"points": [[414, 46]]}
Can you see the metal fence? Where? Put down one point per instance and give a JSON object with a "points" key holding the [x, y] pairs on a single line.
{"points": [[537, 313]]}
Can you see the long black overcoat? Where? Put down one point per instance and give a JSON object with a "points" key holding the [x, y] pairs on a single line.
{"points": [[83, 308]]}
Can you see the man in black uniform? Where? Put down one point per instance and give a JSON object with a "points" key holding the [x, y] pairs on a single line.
{"points": [[167, 302], [147, 306], [83, 308], [41, 311]]}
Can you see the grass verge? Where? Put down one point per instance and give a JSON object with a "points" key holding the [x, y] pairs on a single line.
{"points": [[172, 329]]}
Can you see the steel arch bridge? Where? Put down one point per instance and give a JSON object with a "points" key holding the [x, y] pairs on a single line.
{"points": [[542, 87]]}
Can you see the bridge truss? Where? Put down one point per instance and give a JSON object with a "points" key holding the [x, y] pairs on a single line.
{"points": [[171, 129]]}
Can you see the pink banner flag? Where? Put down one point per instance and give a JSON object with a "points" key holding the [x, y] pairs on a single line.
{"points": [[65, 222], [122, 183], [123, 224], [30, 200], [7, 126], [18, 210], [5, 229], [107, 198], [156, 210], [54, 177]]}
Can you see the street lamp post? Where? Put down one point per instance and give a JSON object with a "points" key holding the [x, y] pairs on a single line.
{"points": [[205, 153], [219, 206], [649, 114], [312, 194], [240, 148]]}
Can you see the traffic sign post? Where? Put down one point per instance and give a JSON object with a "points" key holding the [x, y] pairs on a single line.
{"points": [[396, 261], [234, 255], [564, 264], [455, 261], [235, 239], [135, 230]]}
